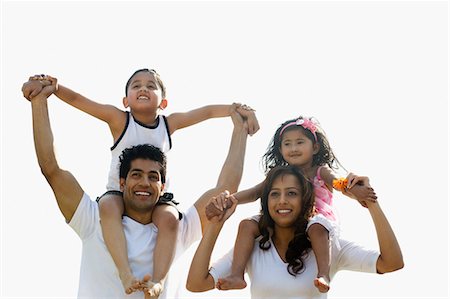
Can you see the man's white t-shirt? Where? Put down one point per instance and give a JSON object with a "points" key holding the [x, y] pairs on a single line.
{"points": [[99, 277], [270, 278]]}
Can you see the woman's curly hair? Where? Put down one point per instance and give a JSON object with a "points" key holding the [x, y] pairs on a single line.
{"points": [[299, 246]]}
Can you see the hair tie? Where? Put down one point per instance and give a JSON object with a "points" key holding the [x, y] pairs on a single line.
{"points": [[305, 123]]}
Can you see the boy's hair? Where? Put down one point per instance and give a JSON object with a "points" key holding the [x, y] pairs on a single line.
{"points": [[142, 151], [152, 72], [299, 246], [325, 156]]}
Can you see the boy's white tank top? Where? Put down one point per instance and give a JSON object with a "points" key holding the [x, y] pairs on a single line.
{"points": [[133, 134]]}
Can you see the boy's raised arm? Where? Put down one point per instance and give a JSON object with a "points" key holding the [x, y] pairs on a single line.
{"points": [[180, 120], [110, 114]]}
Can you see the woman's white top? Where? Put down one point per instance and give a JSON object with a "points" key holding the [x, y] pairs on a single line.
{"points": [[269, 277]]}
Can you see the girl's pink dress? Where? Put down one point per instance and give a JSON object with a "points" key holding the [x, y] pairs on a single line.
{"points": [[324, 198]]}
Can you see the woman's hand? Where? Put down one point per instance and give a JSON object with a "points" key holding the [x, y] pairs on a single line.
{"points": [[221, 207]]}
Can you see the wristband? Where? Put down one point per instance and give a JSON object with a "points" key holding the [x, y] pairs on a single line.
{"points": [[340, 184]]}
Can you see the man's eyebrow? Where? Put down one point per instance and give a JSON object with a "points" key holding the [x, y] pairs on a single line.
{"points": [[140, 170]]}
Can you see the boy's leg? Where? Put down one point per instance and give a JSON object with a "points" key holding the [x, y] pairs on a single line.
{"points": [[243, 247], [111, 211], [166, 219], [318, 235]]}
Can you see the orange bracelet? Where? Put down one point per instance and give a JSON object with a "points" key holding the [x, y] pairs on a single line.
{"points": [[340, 184]]}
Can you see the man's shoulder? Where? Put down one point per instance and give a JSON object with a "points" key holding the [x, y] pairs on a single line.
{"points": [[86, 217], [190, 228]]}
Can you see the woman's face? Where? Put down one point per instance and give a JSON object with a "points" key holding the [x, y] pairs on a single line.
{"points": [[284, 200]]}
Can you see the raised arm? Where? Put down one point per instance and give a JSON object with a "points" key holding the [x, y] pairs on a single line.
{"points": [[358, 187], [67, 191], [199, 279], [113, 116], [391, 258], [231, 173], [182, 120]]}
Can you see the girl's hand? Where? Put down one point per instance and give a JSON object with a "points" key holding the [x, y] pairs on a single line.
{"points": [[221, 207], [354, 180], [358, 188]]}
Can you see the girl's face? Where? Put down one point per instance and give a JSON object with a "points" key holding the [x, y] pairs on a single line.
{"points": [[143, 93], [297, 149], [284, 201]]}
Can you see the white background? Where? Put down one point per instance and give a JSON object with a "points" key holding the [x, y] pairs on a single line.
{"points": [[375, 74]]}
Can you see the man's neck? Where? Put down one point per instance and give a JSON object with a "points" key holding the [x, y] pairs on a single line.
{"points": [[142, 218]]}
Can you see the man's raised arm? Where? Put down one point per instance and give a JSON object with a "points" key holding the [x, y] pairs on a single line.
{"points": [[67, 191], [231, 173]]}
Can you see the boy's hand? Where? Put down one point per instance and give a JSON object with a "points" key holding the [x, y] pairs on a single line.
{"points": [[249, 115]]}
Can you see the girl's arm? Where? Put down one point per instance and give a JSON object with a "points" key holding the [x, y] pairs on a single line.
{"points": [[391, 258], [214, 208], [182, 120], [249, 195], [359, 190], [199, 279]]}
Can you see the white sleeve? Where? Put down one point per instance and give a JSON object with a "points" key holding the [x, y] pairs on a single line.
{"points": [[354, 257], [86, 216], [190, 228], [222, 267]]}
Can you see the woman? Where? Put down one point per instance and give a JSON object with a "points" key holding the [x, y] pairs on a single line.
{"points": [[282, 262]]}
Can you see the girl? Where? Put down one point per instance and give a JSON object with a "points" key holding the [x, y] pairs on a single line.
{"points": [[281, 264], [302, 143]]}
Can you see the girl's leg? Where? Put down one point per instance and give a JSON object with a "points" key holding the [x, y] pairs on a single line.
{"points": [[111, 210], [165, 217], [243, 247], [318, 235]]}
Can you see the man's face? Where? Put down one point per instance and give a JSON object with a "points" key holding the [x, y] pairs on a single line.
{"points": [[142, 187]]}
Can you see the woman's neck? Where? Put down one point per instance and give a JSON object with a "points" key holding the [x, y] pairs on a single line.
{"points": [[281, 238]]}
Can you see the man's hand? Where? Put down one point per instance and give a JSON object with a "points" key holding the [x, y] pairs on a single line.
{"points": [[249, 115], [221, 207], [38, 83]]}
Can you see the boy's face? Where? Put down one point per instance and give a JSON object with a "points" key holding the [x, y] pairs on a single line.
{"points": [[144, 93]]}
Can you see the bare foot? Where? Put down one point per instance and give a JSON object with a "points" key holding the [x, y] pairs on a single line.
{"points": [[151, 289], [129, 282], [322, 284], [231, 283]]}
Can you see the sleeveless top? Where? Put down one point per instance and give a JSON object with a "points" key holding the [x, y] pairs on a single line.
{"points": [[133, 134], [324, 197]]}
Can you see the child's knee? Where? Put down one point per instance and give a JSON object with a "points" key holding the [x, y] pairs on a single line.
{"points": [[249, 226], [317, 230], [166, 217], [111, 205]]}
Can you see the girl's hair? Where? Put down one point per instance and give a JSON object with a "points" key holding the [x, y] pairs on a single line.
{"points": [[299, 246], [325, 156], [152, 72]]}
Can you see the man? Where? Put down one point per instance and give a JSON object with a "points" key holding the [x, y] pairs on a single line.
{"points": [[142, 177]]}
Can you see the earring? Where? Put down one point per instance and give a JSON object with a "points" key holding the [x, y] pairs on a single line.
{"points": [[163, 104]]}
